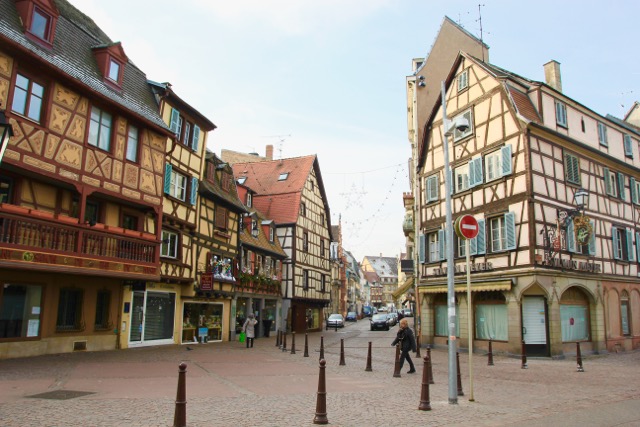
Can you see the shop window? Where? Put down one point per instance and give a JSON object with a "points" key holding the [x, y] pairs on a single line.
{"points": [[70, 310], [103, 303], [574, 316], [27, 98], [202, 322], [491, 318], [442, 318], [20, 307]]}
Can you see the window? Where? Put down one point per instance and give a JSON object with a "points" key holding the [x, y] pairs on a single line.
{"points": [[70, 310], [103, 301], [249, 200], [498, 163], [303, 209], [20, 307], [305, 241], [622, 244], [625, 313], [100, 129], [436, 246], [602, 134], [187, 131], [242, 180], [5, 189], [491, 319], [321, 219], [225, 181], [635, 190], [283, 176], [476, 176], [221, 219], [40, 25], [132, 144], [27, 98], [91, 212], [614, 184], [323, 283], [114, 71], [305, 280], [577, 243], [169, 247], [458, 135], [178, 186], [431, 188], [461, 180], [561, 114], [442, 317], [572, 168], [502, 232], [271, 234], [574, 316], [628, 146], [463, 80], [322, 247], [129, 222]]}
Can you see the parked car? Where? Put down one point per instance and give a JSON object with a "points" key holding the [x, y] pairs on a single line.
{"points": [[335, 320], [352, 316], [392, 318], [382, 310], [367, 311], [408, 312], [379, 321]]}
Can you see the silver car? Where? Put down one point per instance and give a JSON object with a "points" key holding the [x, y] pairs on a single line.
{"points": [[335, 321]]}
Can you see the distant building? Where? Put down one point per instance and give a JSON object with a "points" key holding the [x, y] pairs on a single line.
{"points": [[387, 270]]}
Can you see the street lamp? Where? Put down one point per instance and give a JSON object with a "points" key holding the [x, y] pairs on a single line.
{"points": [[6, 132]]}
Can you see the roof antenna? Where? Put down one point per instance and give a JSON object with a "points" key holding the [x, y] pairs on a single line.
{"points": [[282, 138], [480, 21]]}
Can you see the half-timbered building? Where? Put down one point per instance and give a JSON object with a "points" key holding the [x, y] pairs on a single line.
{"points": [[80, 181], [291, 192], [547, 269]]}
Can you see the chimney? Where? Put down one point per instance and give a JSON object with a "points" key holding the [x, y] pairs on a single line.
{"points": [[269, 152], [552, 75]]}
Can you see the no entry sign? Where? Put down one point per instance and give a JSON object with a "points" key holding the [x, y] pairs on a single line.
{"points": [[466, 227]]}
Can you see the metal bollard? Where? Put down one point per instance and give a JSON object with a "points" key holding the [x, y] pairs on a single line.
{"points": [[321, 347], [425, 403], [396, 368], [524, 356], [490, 354], [180, 414], [342, 362], [284, 340], [579, 357], [306, 345], [430, 368], [293, 342], [368, 368], [460, 392], [321, 400]]}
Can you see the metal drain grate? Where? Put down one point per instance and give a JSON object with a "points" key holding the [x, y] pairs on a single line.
{"points": [[61, 394]]}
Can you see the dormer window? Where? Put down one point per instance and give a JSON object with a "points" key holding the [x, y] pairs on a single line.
{"points": [[40, 18], [248, 200], [283, 176], [114, 71], [40, 24], [111, 61], [242, 180]]}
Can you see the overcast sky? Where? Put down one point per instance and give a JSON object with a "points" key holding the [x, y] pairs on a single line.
{"points": [[327, 77]]}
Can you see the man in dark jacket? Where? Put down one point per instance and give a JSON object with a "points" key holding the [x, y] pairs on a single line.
{"points": [[407, 343]]}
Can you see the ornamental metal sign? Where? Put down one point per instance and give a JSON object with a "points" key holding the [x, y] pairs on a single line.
{"points": [[583, 229]]}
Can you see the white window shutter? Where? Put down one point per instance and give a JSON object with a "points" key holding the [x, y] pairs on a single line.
{"points": [[507, 166], [510, 229], [196, 138]]}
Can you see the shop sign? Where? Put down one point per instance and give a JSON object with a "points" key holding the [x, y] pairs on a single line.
{"points": [[583, 229], [206, 282], [480, 266], [569, 264]]}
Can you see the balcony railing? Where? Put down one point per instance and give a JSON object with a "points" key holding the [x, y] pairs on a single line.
{"points": [[51, 236]]}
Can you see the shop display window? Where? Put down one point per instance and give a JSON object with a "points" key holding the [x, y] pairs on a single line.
{"points": [[202, 322]]}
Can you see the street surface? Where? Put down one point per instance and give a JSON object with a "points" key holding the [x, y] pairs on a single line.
{"points": [[229, 385]]}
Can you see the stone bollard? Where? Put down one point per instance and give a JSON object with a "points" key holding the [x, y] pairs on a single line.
{"points": [[321, 400], [180, 414], [460, 392], [490, 355], [306, 345], [368, 368], [579, 357], [293, 342], [284, 340], [425, 403], [321, 347], [342, 362], [524, 357], [278, 338], [430, 368], [396, 367]]}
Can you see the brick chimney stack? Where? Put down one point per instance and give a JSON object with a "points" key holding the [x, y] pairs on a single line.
{"points": [[269, 152], [552, 75]]}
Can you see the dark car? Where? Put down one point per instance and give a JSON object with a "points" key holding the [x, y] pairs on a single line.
{"points": [[335, 321], [367, 311], [352, 316], [379, 321], [392, 318]]}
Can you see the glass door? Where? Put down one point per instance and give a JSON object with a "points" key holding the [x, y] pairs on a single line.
{"points": [[137, 317], [152, 318]]}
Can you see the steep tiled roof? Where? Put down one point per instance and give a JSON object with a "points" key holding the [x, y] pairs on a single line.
{"points": [[262, 241], [72, 56], [371, 276], [384, 266], [523, 104], [628, 126], [213, 188]]}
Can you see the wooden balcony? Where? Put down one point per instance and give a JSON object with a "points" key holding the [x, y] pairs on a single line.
{"points": [[47, 241]]}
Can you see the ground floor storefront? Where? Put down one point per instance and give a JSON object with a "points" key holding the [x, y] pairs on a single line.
{"points": [[306, 315], [547, 313]]}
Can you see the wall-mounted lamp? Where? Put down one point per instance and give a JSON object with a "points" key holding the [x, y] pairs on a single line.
{"points": [[6, 132]]}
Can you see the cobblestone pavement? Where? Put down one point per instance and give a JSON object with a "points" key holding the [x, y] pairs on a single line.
{"points": [[229, 385]]}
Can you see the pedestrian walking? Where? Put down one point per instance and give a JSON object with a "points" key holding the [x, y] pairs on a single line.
{"points": [[407, 343], [249, 329]]}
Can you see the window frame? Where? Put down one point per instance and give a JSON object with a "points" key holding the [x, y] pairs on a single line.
{"points": [[103, 307], [29, 97], [462, 80], [572, 168], [603, 139], [69, 310], [169, 247], [489, 166], [461, 173], [132, 152], [48, 27], [561, 114], [175, 188], [99, 143], [119, 67]]}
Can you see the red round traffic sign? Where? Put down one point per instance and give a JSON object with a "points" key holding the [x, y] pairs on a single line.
{"points": [[467, 227]]}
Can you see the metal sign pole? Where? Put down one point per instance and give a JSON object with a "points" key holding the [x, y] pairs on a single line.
{"points": [[470, 331]]}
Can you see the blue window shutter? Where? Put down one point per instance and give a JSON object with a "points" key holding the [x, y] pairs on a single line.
{"points": [[481, 244], [631, 254], [607, 181], [167, 177], [510, 229], [614, 236], [628, 147], [621, 192], [196, 138], [473, 246], [634, 190], [479, 171], [507, 167], [638, 245], [175, 117], [592, 240], [571, 237], [436, 187], [472, 173], [194, 190], [423, 245], [441, 245]]}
